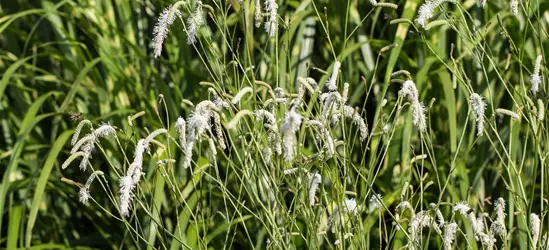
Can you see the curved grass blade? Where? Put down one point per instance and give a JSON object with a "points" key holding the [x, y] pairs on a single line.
{"points": [[42, 181]]}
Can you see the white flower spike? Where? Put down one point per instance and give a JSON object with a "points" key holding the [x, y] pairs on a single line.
{"points": [[479, 108]]}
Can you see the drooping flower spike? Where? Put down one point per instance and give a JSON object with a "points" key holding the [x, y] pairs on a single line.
{"points": [[535, 78], [162, 27], [194, 22], [479, 108], [271, 25], [426, 10], [133, 175], [409, 90], [84, 193], [87, 143]]}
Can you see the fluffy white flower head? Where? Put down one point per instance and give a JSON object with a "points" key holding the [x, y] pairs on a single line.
{"points": [[479, 108], [161, 28], [426, 10], [375, 202], [194, 22], [350, 206], [271, 26], [83, 195], [535, 78], [314, 180], [513, 5]]}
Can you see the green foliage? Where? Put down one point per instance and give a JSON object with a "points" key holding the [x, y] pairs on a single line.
{"points": [[63, 61]]}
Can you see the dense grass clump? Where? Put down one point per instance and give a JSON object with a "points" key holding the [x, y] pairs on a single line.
{"points": [[273, 124]]}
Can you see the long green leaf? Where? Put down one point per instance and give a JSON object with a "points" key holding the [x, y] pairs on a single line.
{"points": [[42, 181], [13, 227], [28, 123], [9, 72]]}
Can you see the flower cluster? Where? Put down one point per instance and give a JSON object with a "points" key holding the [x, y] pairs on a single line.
{"points": [[133, 175], [426, 10], [271, 26], [479, 108], [418, 109], [85, 145], [536, 79]]}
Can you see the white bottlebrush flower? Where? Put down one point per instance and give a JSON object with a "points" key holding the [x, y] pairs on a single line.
{"points": [[331, 83], [126, 187], [271, 26], [536, 79], [180, 128], [498, 228], [405, 205], [240, 94], [219, 131], [478, 227], [509, 113], [487, 240], [292, 122], [513, 5], [219, 103], [89, 139], [133, 175], [409, 90], [450, 230], [426, 10], [296, 102], [476, 223], [272, 129], [375, 202], [314, 181], [418, 116], [104, 131], [258, 14], [162, 27], [345, 94], [71, 158], [541, 110], [418, 222], [194, 22], [499, 209], [479, 108], [197, 123], [352, 114], [534, 228], [262, 114], [312, 82], [84, 193], [86, 157], [330, 101], [440, 218], [464, 209], [87, 143], [498, 225], [78, 129], [327, 136], [279, 92], [350, 206]]}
